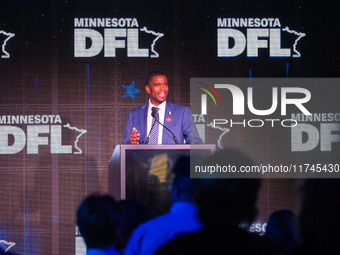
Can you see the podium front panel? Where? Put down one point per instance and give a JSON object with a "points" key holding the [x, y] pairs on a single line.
{"points": [[144, 172]]}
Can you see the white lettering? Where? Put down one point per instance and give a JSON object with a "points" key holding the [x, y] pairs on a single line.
{"points": [[18, 136], [298, 101], [223, 42], [33, 138], [80, 36]]}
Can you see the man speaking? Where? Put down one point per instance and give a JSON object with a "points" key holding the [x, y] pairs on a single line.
{"points": [[160, 121]]}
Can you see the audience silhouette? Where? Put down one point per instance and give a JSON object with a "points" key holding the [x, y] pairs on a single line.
{"points": [[224, 204], [211, 215], [134, 214], [281, 229], [99, 221], [182, 217], [319, 220]]}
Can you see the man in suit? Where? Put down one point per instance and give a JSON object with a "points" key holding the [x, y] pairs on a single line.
{"points": [[176, 118]]}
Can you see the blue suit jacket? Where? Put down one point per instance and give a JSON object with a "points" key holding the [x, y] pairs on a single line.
{"points": [[180, 124]]}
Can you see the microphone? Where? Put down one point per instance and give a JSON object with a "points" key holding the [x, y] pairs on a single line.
{"points": [[153, 116], [153, 113]]}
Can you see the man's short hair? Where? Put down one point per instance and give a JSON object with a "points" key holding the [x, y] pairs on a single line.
{"points": [[152, 74], [99, 220]]}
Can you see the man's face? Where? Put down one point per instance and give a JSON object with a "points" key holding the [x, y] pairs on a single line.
{"points": [[158, 89]]}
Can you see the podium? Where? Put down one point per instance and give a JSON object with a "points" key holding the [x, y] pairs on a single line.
{"points": [[144, 172]]}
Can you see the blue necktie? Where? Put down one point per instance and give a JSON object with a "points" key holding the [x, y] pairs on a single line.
{"points": [[154, 131]]}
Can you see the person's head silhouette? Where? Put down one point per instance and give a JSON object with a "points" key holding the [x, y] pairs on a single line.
{"points": [[99, 221]]}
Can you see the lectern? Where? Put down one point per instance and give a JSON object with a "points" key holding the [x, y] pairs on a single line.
{"points": [[144, 172]]}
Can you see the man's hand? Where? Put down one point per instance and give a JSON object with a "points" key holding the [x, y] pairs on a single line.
{"points": [[134, 136]]}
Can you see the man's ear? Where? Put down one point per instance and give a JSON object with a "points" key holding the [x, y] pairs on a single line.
{"points": [[147, 88]]}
